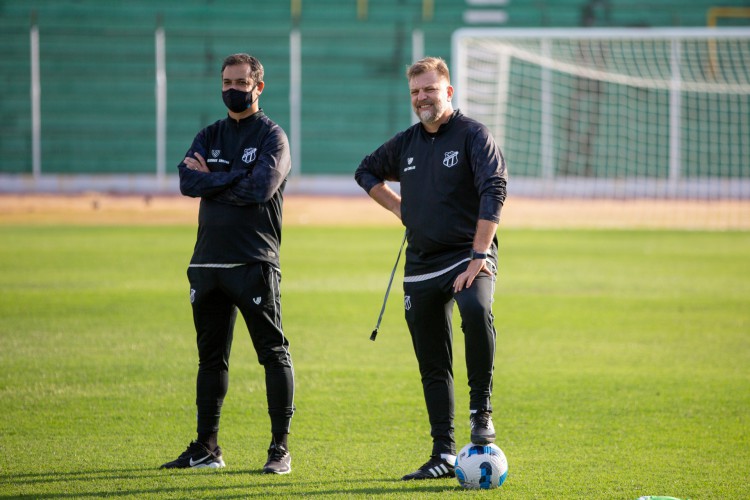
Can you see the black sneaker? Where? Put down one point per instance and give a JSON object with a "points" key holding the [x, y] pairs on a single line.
{"points": [[482, 430], [279, 460], [435, 468], [197, 456]]}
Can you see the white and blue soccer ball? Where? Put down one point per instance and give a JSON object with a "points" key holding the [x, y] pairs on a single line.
{"points": [[481, 466]]}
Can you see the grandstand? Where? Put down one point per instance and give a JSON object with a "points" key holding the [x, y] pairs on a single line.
{"points": [[96, 126]]}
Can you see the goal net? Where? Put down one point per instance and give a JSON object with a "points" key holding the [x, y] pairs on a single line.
{"points": [[613, 113]]}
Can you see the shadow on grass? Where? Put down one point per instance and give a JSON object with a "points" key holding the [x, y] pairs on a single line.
{"points": [[83, 475], [95, 483]]}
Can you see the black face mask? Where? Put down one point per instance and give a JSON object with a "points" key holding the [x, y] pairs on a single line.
{"points": [[236, 100]]}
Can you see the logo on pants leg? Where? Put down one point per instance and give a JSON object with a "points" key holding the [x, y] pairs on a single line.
{"points": [[407, 302], [192, 295]]}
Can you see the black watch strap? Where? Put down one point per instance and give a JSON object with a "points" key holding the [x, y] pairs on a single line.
{"points": [[477, 255]]}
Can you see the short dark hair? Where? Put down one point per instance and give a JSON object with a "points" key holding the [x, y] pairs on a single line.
{"points": [[256, 68]]}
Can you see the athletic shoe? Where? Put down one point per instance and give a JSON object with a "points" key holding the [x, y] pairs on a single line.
{"points": [[197, 456], [435, 468], [279, 460], [482, 430]]}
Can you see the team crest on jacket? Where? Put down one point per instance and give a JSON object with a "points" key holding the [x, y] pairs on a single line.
{"points": [[215, 153], [249, 155], [451, 159]]}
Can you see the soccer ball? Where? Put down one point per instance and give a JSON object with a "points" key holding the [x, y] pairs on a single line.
{"points": [[481, 466]]}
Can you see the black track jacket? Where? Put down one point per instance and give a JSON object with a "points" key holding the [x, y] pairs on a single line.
{"points": [[449, 180], [241, 198]]}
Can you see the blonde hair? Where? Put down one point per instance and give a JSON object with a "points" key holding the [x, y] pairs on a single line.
{"points": [[429, 64]]}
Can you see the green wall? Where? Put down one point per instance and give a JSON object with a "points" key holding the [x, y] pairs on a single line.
{"points": [[98, 71]]}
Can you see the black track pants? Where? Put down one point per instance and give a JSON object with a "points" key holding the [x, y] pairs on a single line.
{"points": [[216, 294], [428, 309]]}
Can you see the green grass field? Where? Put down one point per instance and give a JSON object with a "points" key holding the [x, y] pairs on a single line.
{"points": [[623, 368]]}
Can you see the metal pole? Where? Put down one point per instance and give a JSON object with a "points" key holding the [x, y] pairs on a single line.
{"points": [[295, 98], [161, 105], [546, 144], [36, 108], [675, 115], [417, 53]]}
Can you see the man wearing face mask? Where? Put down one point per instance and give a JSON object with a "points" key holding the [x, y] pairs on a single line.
{"points": [[238, 167]]}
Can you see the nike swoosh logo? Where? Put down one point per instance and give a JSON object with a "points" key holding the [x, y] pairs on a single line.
{"points": [[194, 463]]}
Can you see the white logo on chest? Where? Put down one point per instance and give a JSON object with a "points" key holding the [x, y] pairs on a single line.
{"points": [[409, 160], [451, 159], [249, 155]]}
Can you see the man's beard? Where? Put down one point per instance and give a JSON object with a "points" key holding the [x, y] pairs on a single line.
{"points": [[431, 114]]}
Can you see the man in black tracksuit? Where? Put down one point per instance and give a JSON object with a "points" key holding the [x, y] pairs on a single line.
{"points": [[453, 185], [238, 166]]}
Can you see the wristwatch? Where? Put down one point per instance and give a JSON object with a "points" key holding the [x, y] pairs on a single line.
{"points": [[477, 255]]}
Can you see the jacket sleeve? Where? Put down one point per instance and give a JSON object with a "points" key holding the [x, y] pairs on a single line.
{"points": [[259, 184], [201, 184], [490, 174], [380, 166]]}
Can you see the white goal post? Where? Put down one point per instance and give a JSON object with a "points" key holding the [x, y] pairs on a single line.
{"points": [[613, 113]]}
